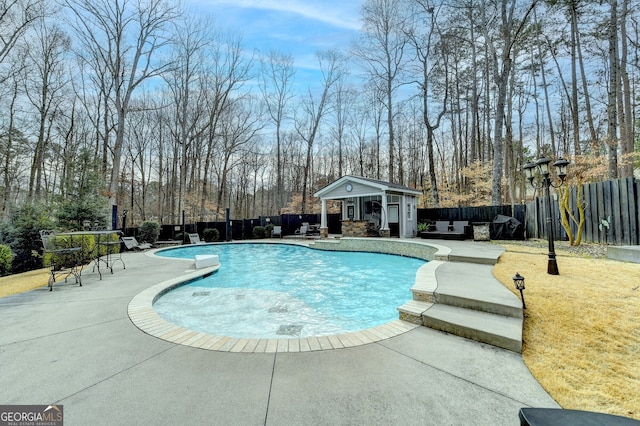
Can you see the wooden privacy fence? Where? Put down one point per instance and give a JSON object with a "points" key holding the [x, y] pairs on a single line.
{"points": [[617, 199]]}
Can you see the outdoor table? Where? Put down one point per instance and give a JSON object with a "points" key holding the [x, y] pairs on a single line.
{"points": [[102, 239]]}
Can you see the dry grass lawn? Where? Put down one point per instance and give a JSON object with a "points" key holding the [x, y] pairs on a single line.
{"points": [[18, 283], [581, 331]]}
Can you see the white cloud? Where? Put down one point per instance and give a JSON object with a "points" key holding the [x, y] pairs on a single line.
{"points": [[342, 14]]}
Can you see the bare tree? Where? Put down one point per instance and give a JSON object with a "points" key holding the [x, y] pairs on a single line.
{"points": [[382, 48], [44, 82], [144, 133], [624, 97], [276, 85], [16, 16], [123, 38], [545, 87], [242, 120], [431, 53], [10, 139], [230, 68], [342, 103], [185, 81], [314, 109], [360, 118], [612, 123], [510, 27]]}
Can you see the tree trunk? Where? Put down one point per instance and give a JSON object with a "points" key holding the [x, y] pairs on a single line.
{"points": [[585, 89], [612, 131], [575, 118], [624, 93], [543, 75], [432, 169]]}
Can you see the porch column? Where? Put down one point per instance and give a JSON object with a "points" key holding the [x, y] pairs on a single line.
{"points": [[384, 226], [324, 230]]}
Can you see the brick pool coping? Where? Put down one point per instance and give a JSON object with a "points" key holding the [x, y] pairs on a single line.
{"points": [[144, 316]]}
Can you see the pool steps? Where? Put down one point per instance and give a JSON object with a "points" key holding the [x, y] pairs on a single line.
{"points": [[461, 303], [456, 293]]}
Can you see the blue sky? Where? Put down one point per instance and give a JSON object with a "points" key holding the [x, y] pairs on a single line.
{"points": [[296, 27]]}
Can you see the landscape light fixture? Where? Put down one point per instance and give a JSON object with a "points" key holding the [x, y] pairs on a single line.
{"points": [[518, 281], [538, 176]]}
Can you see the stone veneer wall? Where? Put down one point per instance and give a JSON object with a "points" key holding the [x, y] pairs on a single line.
{"points": [[400, 247], [354, 228]]}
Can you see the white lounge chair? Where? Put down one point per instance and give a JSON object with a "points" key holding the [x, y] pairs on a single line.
{"points": [[276, 232], [195, 239], [132, 244]]}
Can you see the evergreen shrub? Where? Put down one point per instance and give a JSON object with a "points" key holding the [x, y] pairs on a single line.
{"points": [[149, 231], [211, 234], [258, 232], [6, 259]]}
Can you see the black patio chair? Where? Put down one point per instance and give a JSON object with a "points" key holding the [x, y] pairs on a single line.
{"points": [[60, 257]]}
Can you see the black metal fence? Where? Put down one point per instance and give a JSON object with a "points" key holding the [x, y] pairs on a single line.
{"points": [[242, 229], [615, 201]]}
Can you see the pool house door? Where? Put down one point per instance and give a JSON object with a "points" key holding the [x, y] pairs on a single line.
{"points": [[394, 220]]}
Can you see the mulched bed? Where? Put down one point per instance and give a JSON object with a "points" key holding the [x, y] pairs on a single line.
{"points": [[591, 250]]}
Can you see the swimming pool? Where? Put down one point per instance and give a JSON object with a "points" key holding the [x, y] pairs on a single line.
{"points": [[288, 291]]}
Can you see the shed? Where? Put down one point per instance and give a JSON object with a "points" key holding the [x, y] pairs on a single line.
{"points": [[371, 207]]}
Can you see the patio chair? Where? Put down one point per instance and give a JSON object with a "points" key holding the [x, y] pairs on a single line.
{"points": [[132, 244], [302, 230], [442, 226], [460, 229], [195, 239], [61, 258], [276, 231]]}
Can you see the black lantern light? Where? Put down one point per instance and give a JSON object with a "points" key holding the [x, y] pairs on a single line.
{"points": [[518, 281], [540, 171], [561, 166]]}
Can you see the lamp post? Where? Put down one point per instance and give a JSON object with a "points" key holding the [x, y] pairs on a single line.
{"points": [[542, 168], [518, 281], [124, 221]]}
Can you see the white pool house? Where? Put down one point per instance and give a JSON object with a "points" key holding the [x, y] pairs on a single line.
{"points": [[371, 207]]}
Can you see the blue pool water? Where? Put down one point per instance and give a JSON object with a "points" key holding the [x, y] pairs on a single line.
{"points": [[281, 291]]}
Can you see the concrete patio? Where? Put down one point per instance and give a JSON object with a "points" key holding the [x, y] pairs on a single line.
{"points": [[76, 346]]}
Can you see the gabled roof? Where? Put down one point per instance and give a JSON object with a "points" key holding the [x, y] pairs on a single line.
{"points": [[380, 185]]}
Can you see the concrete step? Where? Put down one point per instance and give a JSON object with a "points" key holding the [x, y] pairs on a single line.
{"points": [[497, 330], [479, 302], [473, 286], [426, 284], [412, 311], [473, 258]]}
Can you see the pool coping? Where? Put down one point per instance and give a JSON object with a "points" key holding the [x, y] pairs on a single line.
{"points": [[143, 315]]}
